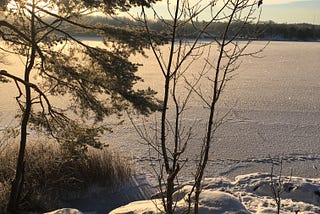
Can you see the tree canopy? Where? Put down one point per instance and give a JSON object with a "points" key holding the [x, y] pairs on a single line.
{"points": [[97, 80]]}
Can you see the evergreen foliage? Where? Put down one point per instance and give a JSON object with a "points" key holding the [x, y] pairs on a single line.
{"points": [[98, 80]]}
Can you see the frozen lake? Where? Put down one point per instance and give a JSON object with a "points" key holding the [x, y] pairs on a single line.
{"points": [[275, 112]]}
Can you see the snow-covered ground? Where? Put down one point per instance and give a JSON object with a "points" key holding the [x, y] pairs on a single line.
{"points": [[249, 193]]}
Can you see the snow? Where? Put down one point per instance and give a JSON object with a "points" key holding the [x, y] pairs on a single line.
{"points": [[249, 193], [210, 202]]}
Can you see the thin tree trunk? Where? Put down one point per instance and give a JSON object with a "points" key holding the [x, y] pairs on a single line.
{"points": [[17, 184], [170, 191], [210, 127], [171, 171]]}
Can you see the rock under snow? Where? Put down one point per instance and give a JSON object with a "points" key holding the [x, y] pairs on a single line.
{"points": [[65, 211], [210, 202]]}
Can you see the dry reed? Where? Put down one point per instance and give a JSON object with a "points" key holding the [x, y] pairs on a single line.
{"points": [[52, 176]]}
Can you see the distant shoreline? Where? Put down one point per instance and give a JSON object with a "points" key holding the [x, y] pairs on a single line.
{"points": [[98, 38]]}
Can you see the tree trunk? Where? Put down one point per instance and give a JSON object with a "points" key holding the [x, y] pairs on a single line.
{"points": [[170, 191], [17, 184]]}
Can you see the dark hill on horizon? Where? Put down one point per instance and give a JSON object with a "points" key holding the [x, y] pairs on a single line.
{"points": [[262, 31]]}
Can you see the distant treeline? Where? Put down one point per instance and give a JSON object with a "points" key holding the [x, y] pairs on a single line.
{"points": [[274, 31], [262, 31]]}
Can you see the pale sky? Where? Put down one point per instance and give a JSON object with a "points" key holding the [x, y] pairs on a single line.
{"points": [[292, 11], [280, 11]]}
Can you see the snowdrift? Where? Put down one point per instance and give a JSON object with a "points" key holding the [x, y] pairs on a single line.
{"points": [[249, 193]]}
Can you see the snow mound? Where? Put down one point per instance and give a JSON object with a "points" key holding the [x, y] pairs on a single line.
{"points": [[251, 193], [295, 188], [220, 202], [210, 202]]}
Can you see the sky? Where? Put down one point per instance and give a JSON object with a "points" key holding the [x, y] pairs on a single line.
{"points": [[280, 11], [292, 11]]}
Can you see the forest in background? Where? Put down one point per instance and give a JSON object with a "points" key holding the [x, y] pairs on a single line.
{"points": [[263, 31]]}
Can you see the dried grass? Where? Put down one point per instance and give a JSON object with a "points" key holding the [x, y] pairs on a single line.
{"points": [[52, 176]]}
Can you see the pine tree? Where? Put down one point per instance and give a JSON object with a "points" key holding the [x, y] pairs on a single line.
{"points": [[99, 81]]}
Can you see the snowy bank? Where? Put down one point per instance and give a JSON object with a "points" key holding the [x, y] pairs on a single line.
{"points": [[249, 193], [210, 202]]}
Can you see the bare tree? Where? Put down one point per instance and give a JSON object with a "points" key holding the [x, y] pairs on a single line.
{"points": [[221, 55], [278, 183]]}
